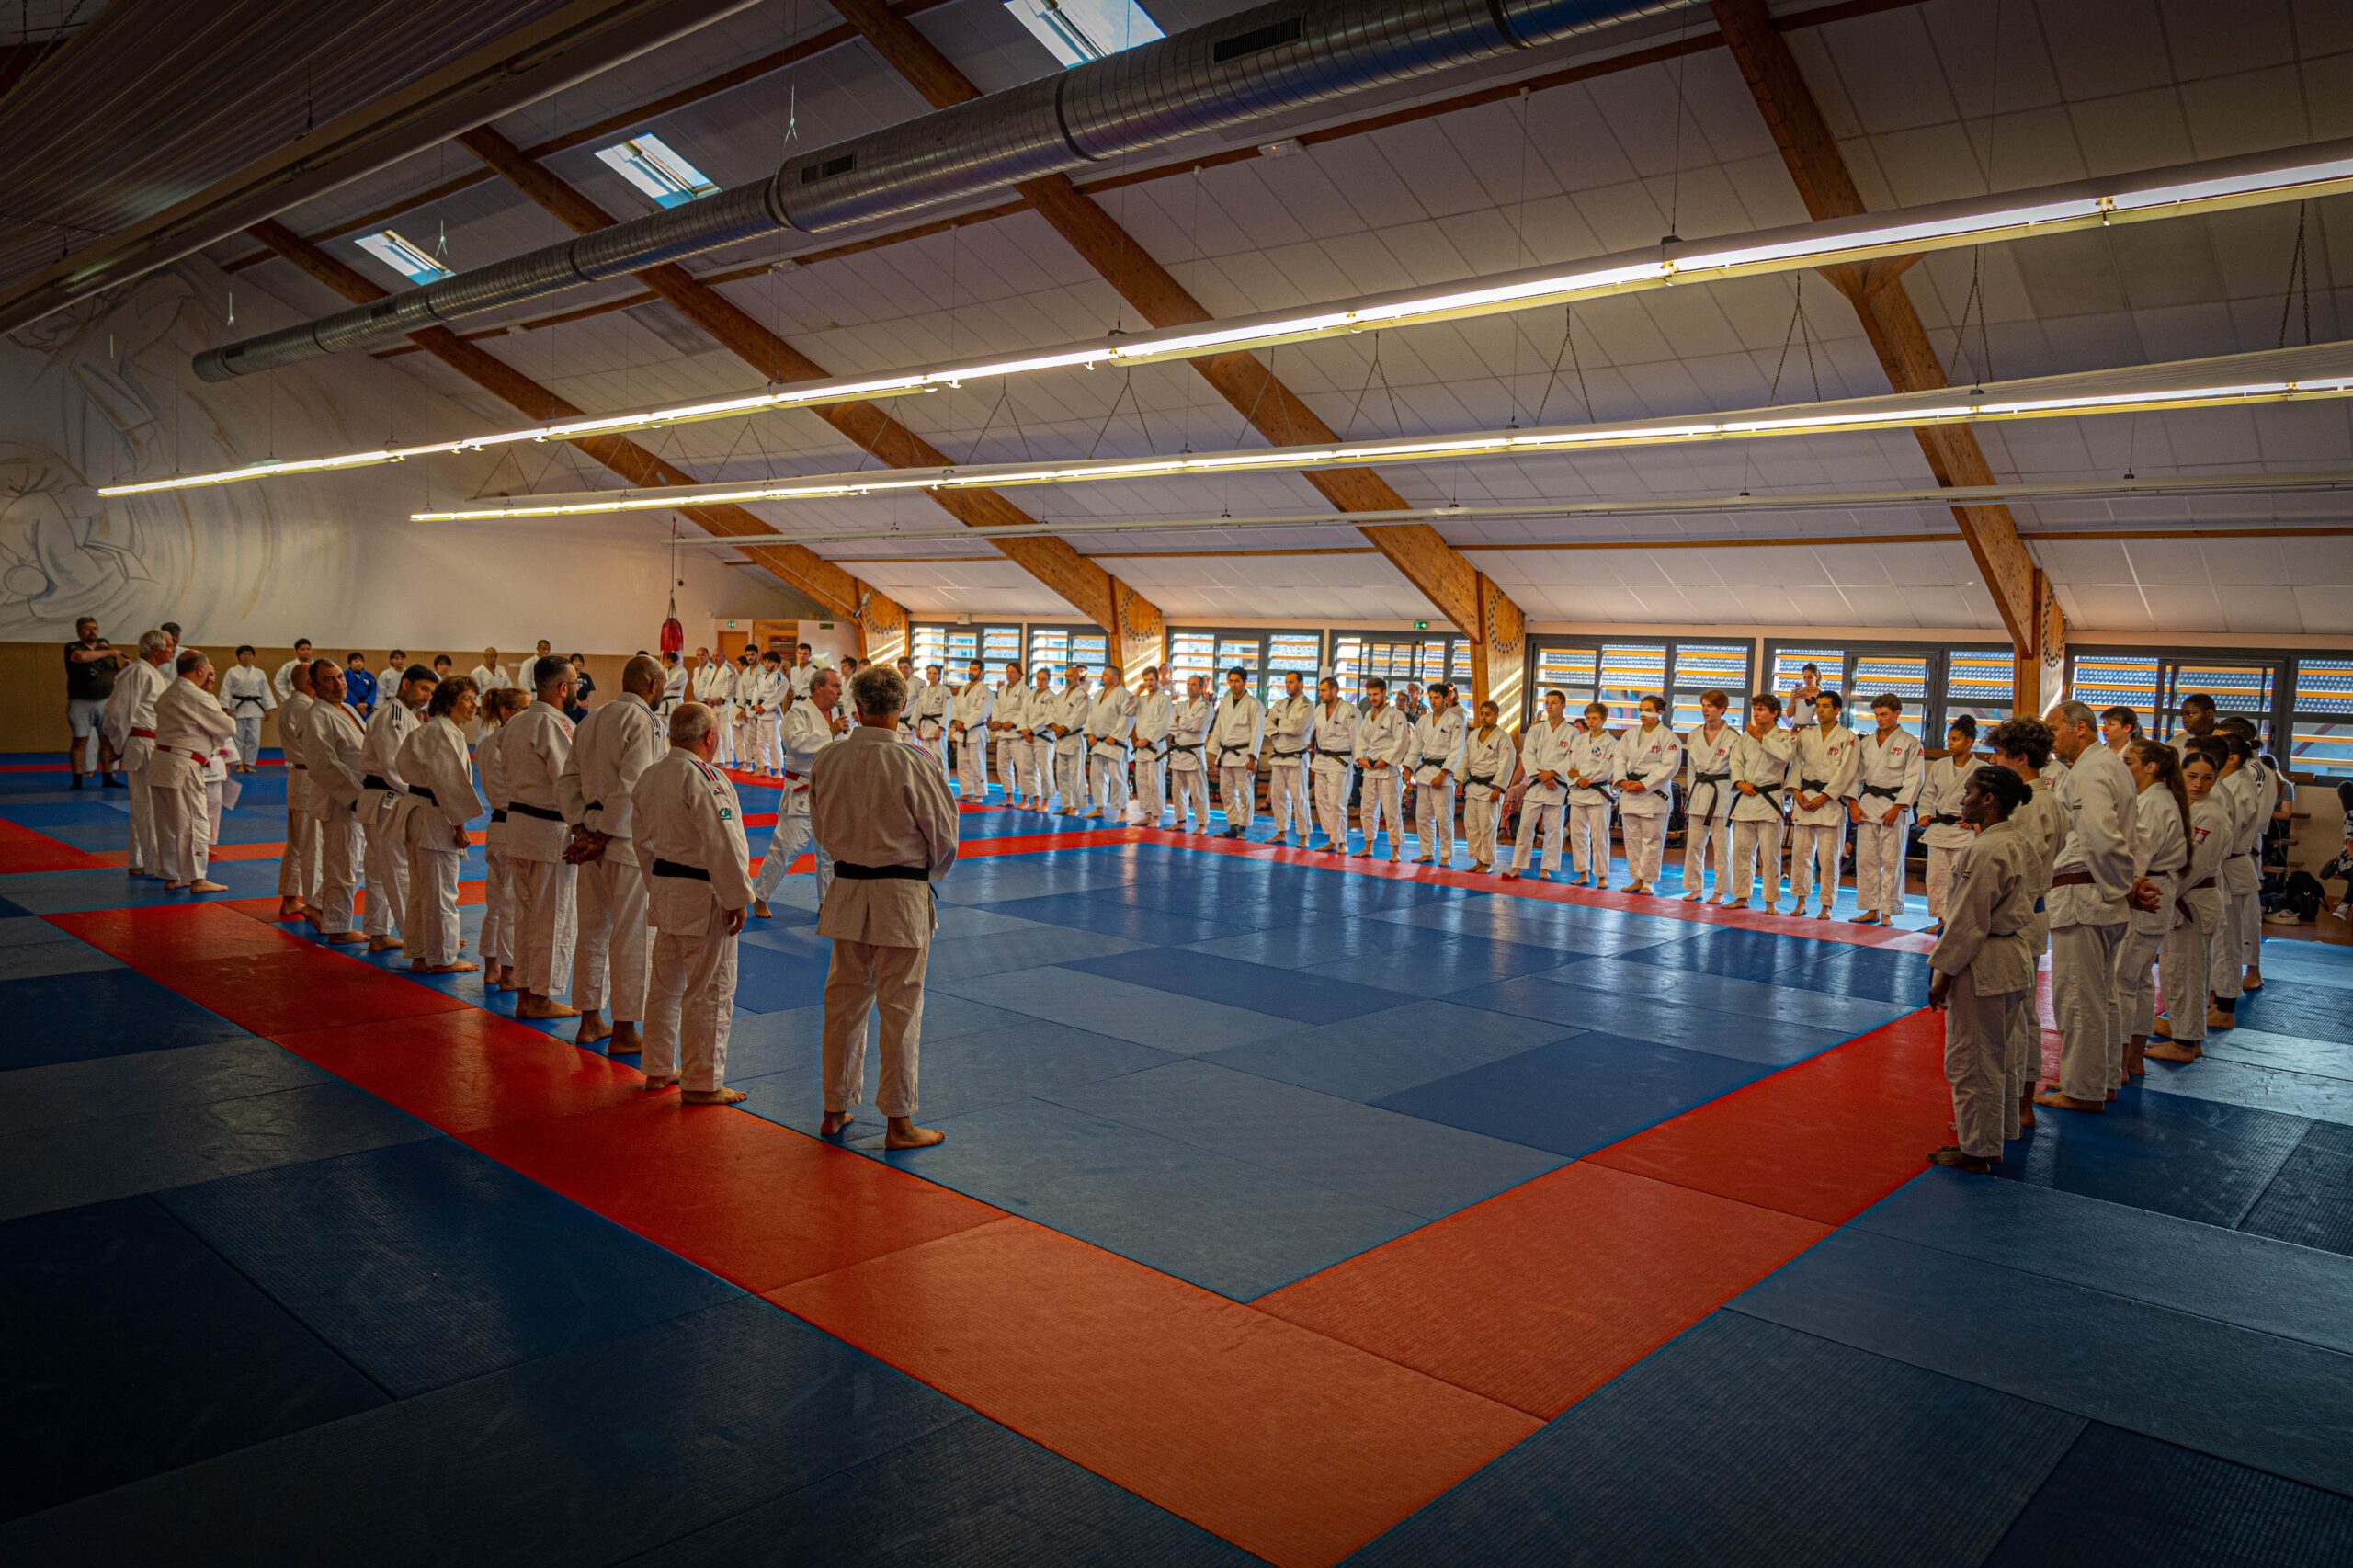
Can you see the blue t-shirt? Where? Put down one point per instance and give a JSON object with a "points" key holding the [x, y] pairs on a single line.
{"points": [[360, 689]]}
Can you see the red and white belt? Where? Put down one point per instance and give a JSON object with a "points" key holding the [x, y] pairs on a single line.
{"points": [[144, 734]]}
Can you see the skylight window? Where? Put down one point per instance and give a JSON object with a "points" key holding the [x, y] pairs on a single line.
{"points": [[1076, 32], [402, 257], [654, 167]]}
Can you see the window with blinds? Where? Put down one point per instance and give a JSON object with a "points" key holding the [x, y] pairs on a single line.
{"points": [[1980, 682], [2117, 680], [1629, 672], [2320, 731], [1703, 666], [1573, 672], [1878, 675], [1789, 670], [1289, 651], [929, 645], [1358, 657], [1000, 646]]}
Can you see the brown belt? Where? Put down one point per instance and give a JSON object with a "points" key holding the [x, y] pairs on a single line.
{"points": [[2072, 880]]}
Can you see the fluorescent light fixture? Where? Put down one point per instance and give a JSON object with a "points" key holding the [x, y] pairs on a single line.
{"points": [[2322, 370], [2220, 185], [654, 167], [1075, 31], [402, 257]]}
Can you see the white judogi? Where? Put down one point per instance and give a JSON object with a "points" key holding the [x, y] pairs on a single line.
{"points": [[1653, 756], [2195, 913], [610, 749], [440, 780], [684, 817], [189, 729], [799, 675], [758, 691], [533, 752], [714, 686], [1490, 762], [675, 679], [968, 724], [1189, 770], [1553, 748], [1887, 773], [1385, 742], [2241, 797], [297, 869], [929, 709], [1042, 708], [2043, 821], [1821, 765], [496, 938], [2087, 909], [1155, 721], [806, 733], [1008, 710], [1110, 719], [1335, 739], [1237, 730], [1941, 830], [246, 697], [1291, 733], [383, 812], [128, 721], [1761, 762], [332, 744], [1437, 753], [1069, 720], [2268, 789], [1589, 766], [2160, 853], [1707, 809], [1985, 951], [486, 678], [281, 683]]}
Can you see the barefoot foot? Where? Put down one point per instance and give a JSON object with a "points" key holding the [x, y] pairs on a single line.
{"points": [[713, 1096], [904, 1134]]}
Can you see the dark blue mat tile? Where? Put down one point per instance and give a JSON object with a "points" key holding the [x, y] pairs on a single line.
{"points": [[964, 1073], [139, 1351], [2121, 1497], [107, 1086], [1111, 918], [2313, 963], [72, 1018], [2318, 1058], [1002, 879], [1317, 941], [2293, 1292], [1725, 993], [770, 982], [1226, 1225], [1738, 953], [24, 961], [1572, 930], [1300, 995], [773, 1042], [10, 909], [1398, 1162], [2297, 1008], [1875, 972], [1381, 1054], [1768, 1042], [1441, 965], [2274, 1403], [426, 1264], [1741, 1442], [1028, 946], [972, 1495], [594, 1455], [1576, 1095], [2308, 1095], [2198, 1159], [59, 1166], [2310, 1202], [1187, 1025], [18, 930]]}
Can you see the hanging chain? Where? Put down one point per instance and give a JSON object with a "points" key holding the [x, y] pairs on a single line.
{"points": [[2300, 282]]}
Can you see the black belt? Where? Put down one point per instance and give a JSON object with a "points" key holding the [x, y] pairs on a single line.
{"points": [[499, 813], [1944, 820], [1813, 785], [540, 811], [1224, 750], [422, 793], [1480, 779], [1884, 794], [1340, 755], [1723, 778], [256, 701], [1281, 754], [849, 872], [694, 873], [378, 782]]}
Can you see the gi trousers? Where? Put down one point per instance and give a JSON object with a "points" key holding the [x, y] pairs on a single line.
{"points": [[793, 833], [2184, 963], [1107, 781], [1152, 785], [972, 766], [1755, 846], [1879, 863], [1070, 778], [144, 854], [1708, 840], [2136, 981], [546, 924], [249, 739], [1977, 1036], [1383, 802], [1012, 764], [1814, 856], [1434, 823], [609, 962], [429, 926], [342, 848], [690, 1009], [2226, 952], [1552, 815], [387, 852], [1237, 793], [1645, 836], [868, 978], [1940, 878], [1038, 757], [2090, 1015], [1192, 785], [297, 869], [183, 817], [1479, 823], [1588, 841], [1288, 799], [1332, 805]]}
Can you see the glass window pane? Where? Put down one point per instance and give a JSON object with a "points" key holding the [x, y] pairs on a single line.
{"points": [[1288, 651], [1702, 665], [2236, 687], [1906, 675], [1000, 646], [1049, 646], [930, 646], [1788, 668], [1573, 672], [1630, 671], [2117, 680], [1192, 653], [2321, 739], [1090, 651]]}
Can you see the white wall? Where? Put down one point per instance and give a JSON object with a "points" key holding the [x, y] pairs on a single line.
{"points": [[103, 394]]}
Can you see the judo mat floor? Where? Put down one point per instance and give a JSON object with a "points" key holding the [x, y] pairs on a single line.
{"points": [[1291, 1210]]}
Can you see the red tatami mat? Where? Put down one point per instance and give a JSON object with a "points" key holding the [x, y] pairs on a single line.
{"points": [[173, 933], [22, 850], [467, 1069], [1540, 1295], [1286, 1443], [299, 986], [753, 1202], [1825, 1139]]}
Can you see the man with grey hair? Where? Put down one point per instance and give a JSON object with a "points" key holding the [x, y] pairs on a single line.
{"points": [[884, 814], [190, 725], [688, 832], [610, 749], [2091, 883], [129, 725]]}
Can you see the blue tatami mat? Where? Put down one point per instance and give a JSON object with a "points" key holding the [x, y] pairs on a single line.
{"points": [[2199, 1159]]}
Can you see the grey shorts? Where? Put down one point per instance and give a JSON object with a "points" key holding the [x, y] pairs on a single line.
{"points": [[81, 713]]}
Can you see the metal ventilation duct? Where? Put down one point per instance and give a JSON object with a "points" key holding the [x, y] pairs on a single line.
{"points": [[1278, 58]]}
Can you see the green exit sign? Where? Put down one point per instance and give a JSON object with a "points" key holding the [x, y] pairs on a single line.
{"points": [[1421, 626]]}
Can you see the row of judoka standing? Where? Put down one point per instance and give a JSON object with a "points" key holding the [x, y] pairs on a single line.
{"points": [[178, 745], [616, 864]]}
